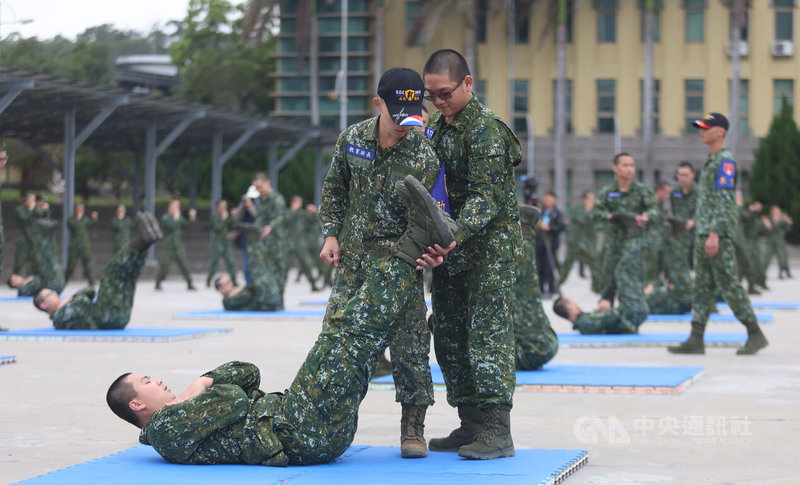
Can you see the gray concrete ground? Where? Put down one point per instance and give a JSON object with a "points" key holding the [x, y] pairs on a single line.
{"points": [[738, 424]]}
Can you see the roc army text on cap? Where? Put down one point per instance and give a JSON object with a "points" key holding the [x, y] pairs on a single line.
{"points": [[401, 89], [712, 119]]}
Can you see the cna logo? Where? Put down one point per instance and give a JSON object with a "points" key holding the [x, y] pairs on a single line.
{"points": [[408, 94]]}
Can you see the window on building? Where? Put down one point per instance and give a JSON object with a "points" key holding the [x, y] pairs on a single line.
{"points": [[744, 106], [784, 19], [567, 105], [520, 105], [693, 91], [606, 105], [414, 13], [481, 13], [656, 19], [335, 6], [784, 89], [479, 88], [656, 103], [695, 20], [606, 20], [522, 29]]}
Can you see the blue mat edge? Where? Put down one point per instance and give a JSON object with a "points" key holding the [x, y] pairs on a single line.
{"points": [[51, 334]]}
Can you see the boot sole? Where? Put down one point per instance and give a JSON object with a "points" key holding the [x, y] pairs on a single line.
{"points": [[501, 453], [418, 191], [690, 352], [531, 215]]}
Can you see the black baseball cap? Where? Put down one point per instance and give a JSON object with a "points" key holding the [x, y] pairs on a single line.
{"points": [[401, 89], [712, 119]]}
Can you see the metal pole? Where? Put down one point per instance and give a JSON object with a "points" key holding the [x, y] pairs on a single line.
{"points": [[343, 67], [561, 96], [216, 167], [69, 178], [647, 111], [529, 125], [150, 174], [510, 5]]}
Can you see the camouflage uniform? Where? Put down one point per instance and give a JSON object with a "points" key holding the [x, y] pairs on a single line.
{"points": [[581, 245], [776, 246], [221, 246], [45, 266], [79, 246], [654, 245], [264, 295], [361, 209], [112, 308], [683, 207], [753, 228], [121, 229], [23, 257], [300, 232], [717, 212], [616, 241], [172, 248], [535, 341], [315, 420], [632, 309], [472, 291], [271, 211]]}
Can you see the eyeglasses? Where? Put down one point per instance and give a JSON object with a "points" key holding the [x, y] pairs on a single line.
{"points": [[5, 159], [447, 95]]}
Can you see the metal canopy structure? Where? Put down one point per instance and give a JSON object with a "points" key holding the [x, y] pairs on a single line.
{"points": [[40, 108]]}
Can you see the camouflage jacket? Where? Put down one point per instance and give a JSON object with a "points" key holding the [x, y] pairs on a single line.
{"points": [[172, 229], [716, 201], [270, 211], [683, 205], [79, 230], [582, 229], [121, 228], [638, 199], [231, 422], [25, 218], [479, 153], [220, 227], [77, 313], [359, 203]]}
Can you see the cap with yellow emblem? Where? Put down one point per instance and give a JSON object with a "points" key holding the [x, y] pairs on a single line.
{"points": [[711, 120], [401, 89]]}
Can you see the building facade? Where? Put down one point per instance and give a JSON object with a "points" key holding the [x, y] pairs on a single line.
{"points": [[604, 71]]}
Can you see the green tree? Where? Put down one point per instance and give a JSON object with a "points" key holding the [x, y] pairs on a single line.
{"points": [[776, 171]]}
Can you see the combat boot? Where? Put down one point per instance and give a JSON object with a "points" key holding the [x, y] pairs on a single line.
{"points": [[472, 420], [528, 218], [755, 340], [427, 223], [412, 427], [147, 233], [694, 344], [494, 440]]}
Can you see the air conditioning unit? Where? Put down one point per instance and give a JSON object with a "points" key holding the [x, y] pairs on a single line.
{"points": [[782, 48], [744, 49]]}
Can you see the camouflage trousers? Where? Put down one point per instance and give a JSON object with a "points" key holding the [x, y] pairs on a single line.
{"points": [[23, 257], [411, 343], [319, 415], [663, 301], [112, 308], [223, 251], [170, 253], [718, 274], [305, 264], [83, 253], [535, 342], [776, 248], [632, 308], [473, 334], [583, 255]]}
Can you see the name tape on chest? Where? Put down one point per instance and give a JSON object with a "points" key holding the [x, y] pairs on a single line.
{"points": [[614, 194], [726, 174], [360, 152], [677, 195]]}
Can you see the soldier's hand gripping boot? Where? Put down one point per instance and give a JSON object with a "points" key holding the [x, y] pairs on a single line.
{"points": [[427, 223]]}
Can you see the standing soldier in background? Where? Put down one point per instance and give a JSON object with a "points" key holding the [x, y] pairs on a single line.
{"points": [[25, 215], [324, 272], [221, 225], [655, 237], [45, 268], [300, 232], [683, 201], [79, 245], [121, 228], [714, 250], [777, 225], [582, 241], [472, 292], [270, 215], [172, 248], [753, 230]]}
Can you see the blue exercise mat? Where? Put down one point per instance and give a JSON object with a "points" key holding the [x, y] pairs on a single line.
{"points": [[712, 339], [16, 299], [714, 317], [8, 359], [358, 465], [767, 305], [315, 302], [136, 334], [583, 378], [225, 314]]}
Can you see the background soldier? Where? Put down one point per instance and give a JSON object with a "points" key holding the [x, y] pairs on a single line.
{"points": [[473, 320], [714, 251], [582, 241], [270, 215], [656, 234], [121, 228], [300, 234], [112, 308], [46, 269], [777, 225], [25, 216], [172, 248], [221, 225], [683, 201], [79, 245]]}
